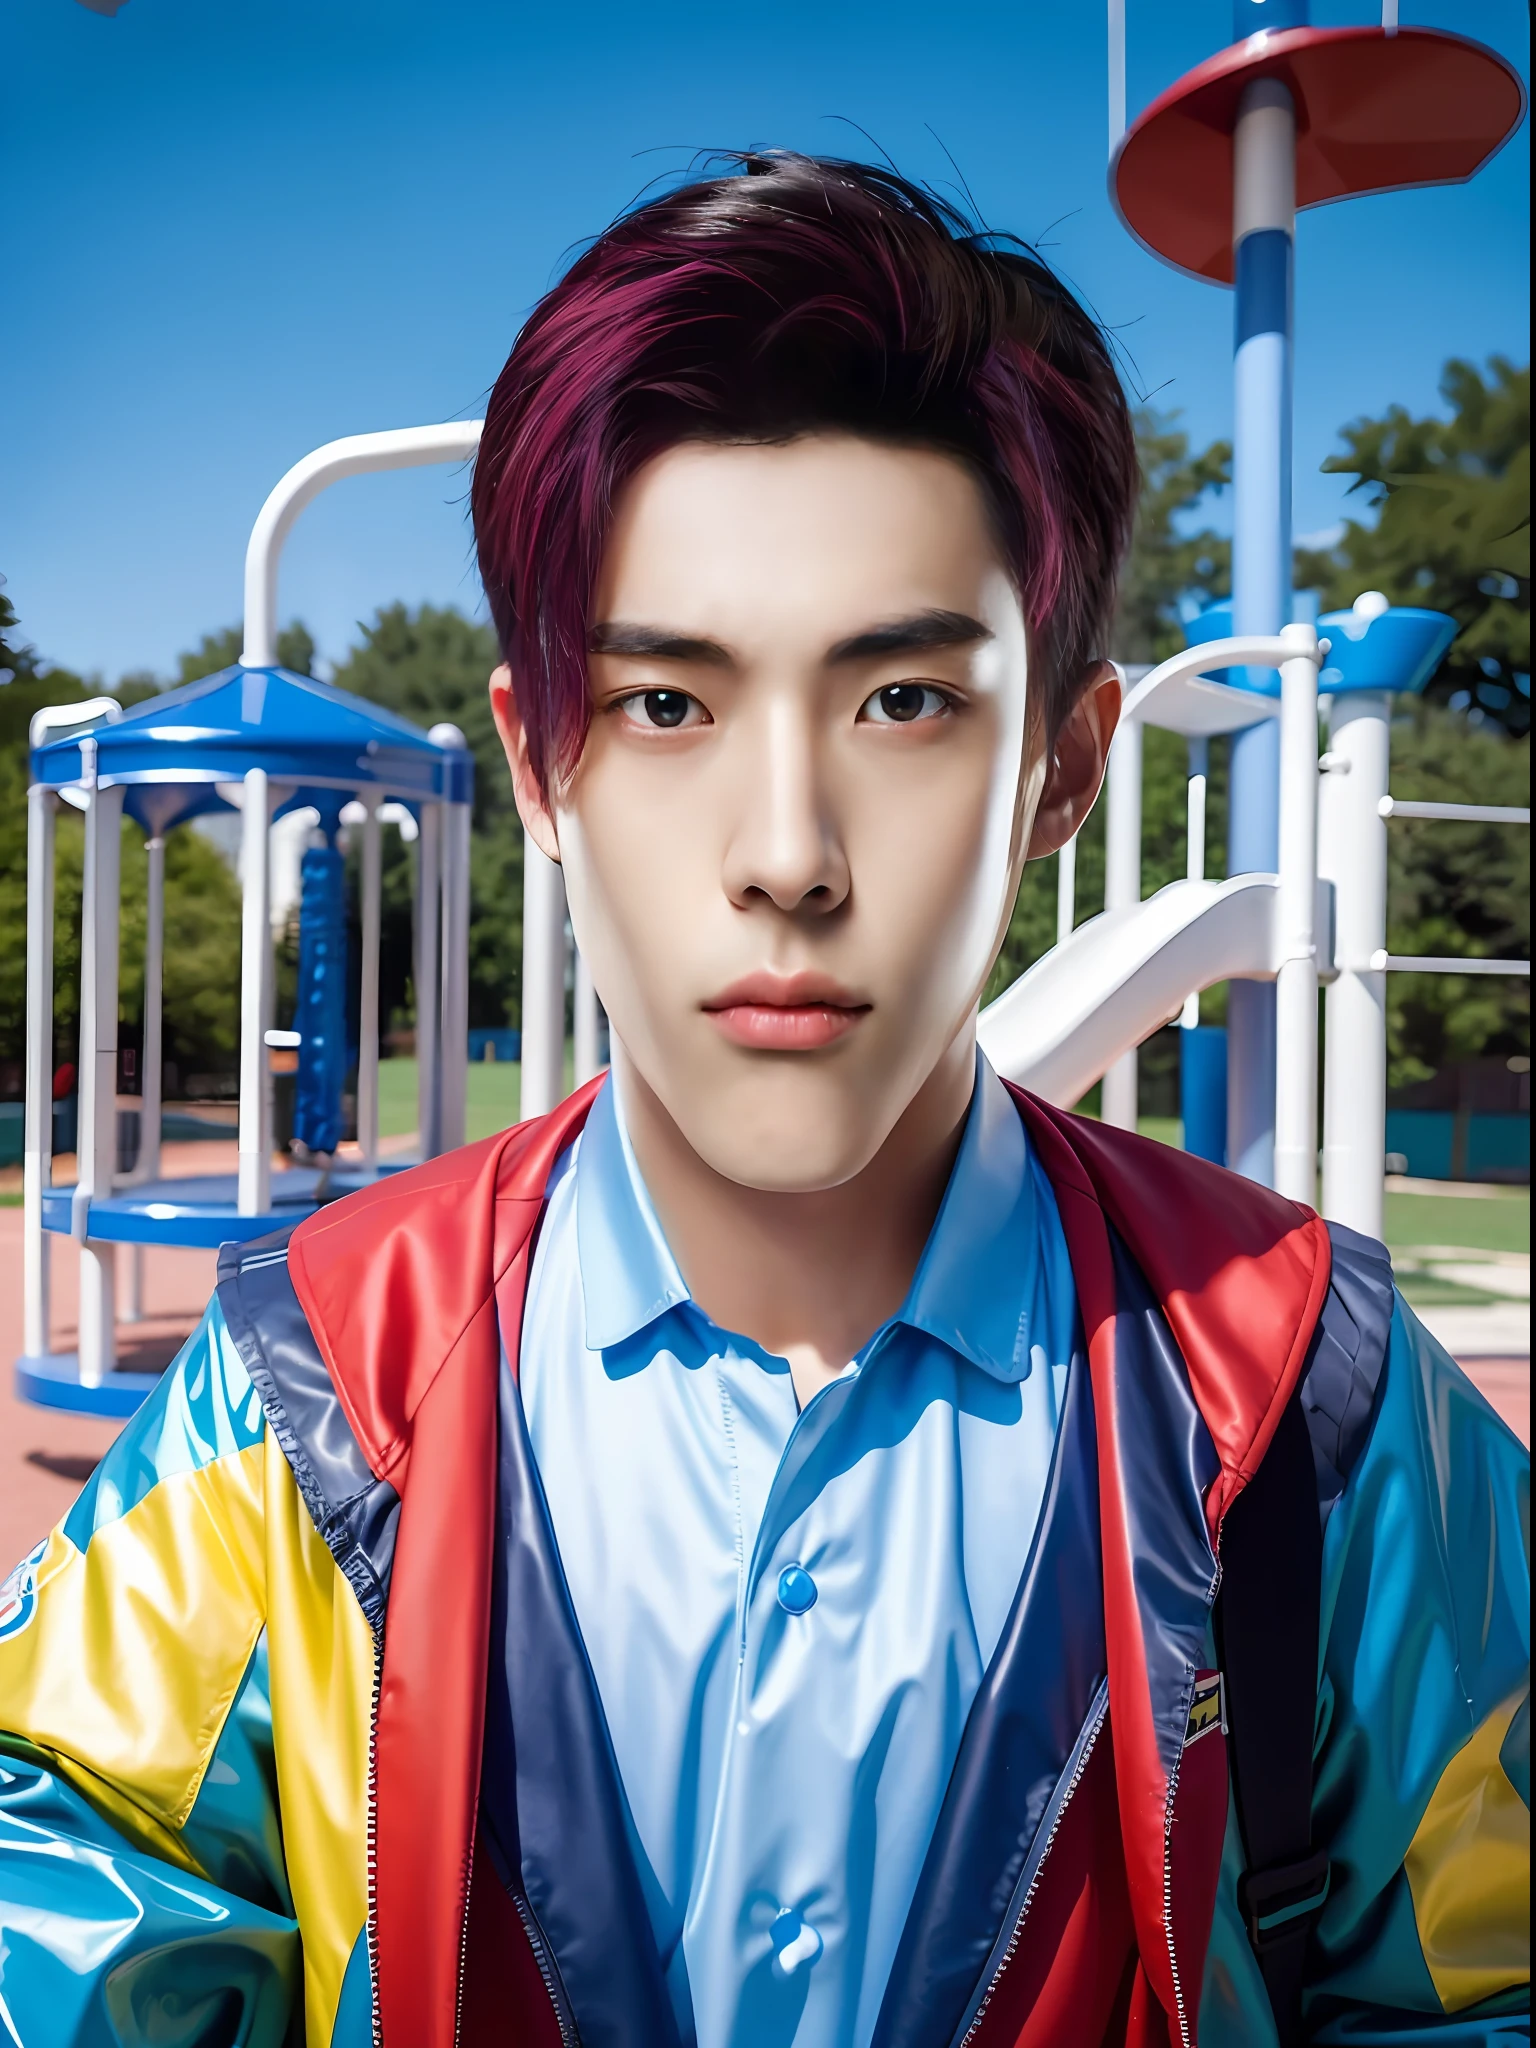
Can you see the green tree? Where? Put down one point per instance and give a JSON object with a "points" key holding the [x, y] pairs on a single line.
{"points": [[1173, 565], [1452, 531], [1456, 889], [202, 897], [429, 665], [1170, 566], [221, 650]]}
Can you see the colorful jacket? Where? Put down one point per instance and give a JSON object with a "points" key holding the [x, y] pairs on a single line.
{"points": [[298, 1739]]}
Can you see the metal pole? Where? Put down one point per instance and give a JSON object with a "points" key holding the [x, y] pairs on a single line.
{"points": [[37, 1157], [453, 855], [371, 865], [543, 1073], [429, 867], [454, 1054], [97, 1143], [1296, 984], [1122, 891], [356, 454], [148, 1167], [1194, 845], [1116, 73], [1352, 854], [255, 1184], [1263, 230], [1066, 890], [588, 1023]]}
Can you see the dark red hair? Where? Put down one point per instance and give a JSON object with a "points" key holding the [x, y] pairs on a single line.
{"points": [[792, 296]]}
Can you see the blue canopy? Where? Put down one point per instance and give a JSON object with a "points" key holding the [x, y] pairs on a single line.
{"points": [[1397, 650], [171, 750]]}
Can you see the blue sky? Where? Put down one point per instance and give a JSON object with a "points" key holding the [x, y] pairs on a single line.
{"points": [[236, 230]]}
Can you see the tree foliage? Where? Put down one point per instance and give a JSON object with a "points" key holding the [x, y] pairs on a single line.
{"points": [[221, 650], [1456, 889], [429, 665], [1170, 565], [1452, 499]]}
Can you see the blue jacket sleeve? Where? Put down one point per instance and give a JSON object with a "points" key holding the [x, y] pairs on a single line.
{"points": [[1422, 1784], [143, 1893]]}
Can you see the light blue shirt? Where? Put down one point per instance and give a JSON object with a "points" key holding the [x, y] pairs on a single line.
{"points": [[788, 1612]]}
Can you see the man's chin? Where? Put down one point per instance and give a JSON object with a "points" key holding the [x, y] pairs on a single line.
{"points": [[783, 1132]]}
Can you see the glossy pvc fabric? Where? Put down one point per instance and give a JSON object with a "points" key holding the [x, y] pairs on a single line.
{"points": [[186, 1707], [139, 1809], [784, 1765]]}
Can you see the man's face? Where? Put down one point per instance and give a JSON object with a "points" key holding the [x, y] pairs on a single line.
{"points": [[795, 834]]}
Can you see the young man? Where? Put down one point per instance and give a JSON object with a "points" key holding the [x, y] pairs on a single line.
{"points": [[739, 1561]]}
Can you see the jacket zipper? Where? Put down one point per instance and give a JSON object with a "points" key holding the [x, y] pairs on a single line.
{"points": [[1034, 1884], [372, 1923], [1173, 1961], [540, 1947]]}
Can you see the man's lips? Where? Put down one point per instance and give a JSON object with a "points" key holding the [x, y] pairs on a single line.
{"points": [[786, 1013]]}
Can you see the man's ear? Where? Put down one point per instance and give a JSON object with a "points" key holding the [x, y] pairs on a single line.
{"points": [[532, 805], [1076, 767]]}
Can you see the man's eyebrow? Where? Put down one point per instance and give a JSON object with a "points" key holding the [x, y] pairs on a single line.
{"points": [[658, 643], [919, 634]]}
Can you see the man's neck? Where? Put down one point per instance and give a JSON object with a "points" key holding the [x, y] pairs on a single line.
{"points": [[812, 1276]]}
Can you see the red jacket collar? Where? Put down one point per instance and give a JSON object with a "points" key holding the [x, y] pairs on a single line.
{"points": [[400, 1287]]}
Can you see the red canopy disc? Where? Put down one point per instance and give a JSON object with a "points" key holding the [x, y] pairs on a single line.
{"points": [[1375, 112]]}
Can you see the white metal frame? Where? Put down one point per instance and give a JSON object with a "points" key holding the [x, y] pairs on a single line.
{"points": [[442, 963], [1354, 811]]}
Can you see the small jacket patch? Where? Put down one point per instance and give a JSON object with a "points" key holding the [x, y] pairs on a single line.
{"points": [[1207, 1708]]}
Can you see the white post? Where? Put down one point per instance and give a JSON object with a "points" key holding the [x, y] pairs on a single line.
{"points": [[1066, 890], [148, 1167], [97, 1145], [255, 1187], [1122, 890], [453, 1056], [1296, 984], [1352, 854], [543, 1071], [355, 455], [1116, 73], [588, 1023], [37, 1158], [133, 1284], [453, 1047], [429, 869], [371, 866], [1194, 846]]}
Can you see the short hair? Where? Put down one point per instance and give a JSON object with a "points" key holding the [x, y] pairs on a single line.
{"points": [[791, 296]]}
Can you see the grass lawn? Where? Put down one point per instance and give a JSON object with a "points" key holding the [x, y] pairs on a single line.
{"points": [[494, 1089], [493, 1096], [1497, 1222]]}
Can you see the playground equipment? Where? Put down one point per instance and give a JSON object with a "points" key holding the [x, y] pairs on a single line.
{"points": [[271, 745], [1081, 1010], [1210, 178]]}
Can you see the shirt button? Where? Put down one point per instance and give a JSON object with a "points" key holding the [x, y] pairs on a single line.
{"points": [[795, 1944], [797, 1589]]}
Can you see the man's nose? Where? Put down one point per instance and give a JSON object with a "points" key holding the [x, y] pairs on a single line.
{"points": [[785, 844]]}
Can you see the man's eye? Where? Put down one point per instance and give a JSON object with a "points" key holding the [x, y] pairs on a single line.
{"points": [[665, 710], [902, 703]]}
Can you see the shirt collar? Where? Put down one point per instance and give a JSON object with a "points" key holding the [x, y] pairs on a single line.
{"points": [[972, 1285], [971, 1289], [628, 1274]]}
